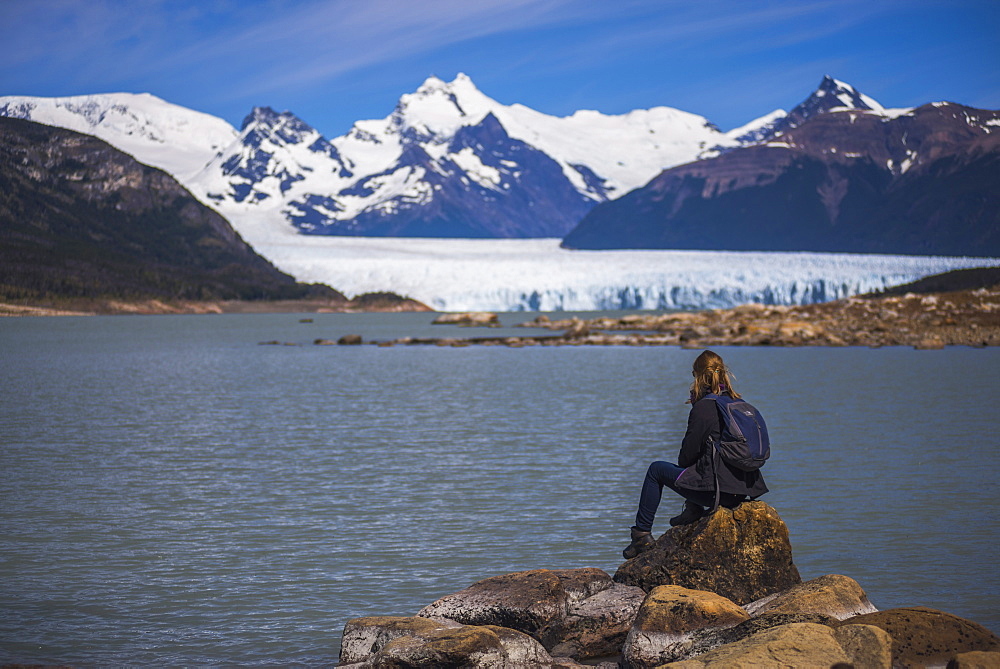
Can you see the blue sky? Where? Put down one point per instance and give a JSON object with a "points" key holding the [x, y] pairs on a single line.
{"points": [[336, 61]]}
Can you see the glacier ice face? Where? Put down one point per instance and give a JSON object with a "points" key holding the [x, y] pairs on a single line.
{"points": [[538, 275]]}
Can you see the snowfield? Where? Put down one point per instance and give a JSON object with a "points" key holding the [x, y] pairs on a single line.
{"points": [[537, 275]]}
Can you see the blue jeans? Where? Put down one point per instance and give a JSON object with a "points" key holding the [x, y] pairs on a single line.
{"points": [[662, 474]]}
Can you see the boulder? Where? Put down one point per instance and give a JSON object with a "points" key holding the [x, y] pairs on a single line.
{"points": [[929, 344], [468, 318], [596, 626], [703, 641], [977, 659], [464, 646], [800, 645], [797, 330], [922, 635], [350, 340], [866, 645], [742, 554], [520, 649], [364, 637], [576, 329], [421, 642], [580, 613], [833, 594], [526, 601], [666, 620]]}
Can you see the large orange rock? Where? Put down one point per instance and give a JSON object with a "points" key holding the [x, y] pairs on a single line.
{"points": [[742, 554], [833, 595], [667, 618]]}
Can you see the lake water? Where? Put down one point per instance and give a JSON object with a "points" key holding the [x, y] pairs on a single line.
{"points": [[172, 493]]}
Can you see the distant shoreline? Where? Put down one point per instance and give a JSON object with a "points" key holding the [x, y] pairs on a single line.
{"points": [[114, 307]]}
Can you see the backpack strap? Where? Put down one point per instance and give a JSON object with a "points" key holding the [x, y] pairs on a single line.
{"points": [[716, 461]]}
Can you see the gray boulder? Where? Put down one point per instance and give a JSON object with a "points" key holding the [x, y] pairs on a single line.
{"points": [[579, 613], [392, 641]]}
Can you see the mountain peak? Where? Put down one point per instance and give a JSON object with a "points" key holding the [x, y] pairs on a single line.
{"points": [[834, 91], [831, 94], [265, 123], [435, 83], [438, 108], [264, 115]]}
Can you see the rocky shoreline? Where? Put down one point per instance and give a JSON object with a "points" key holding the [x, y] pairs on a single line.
{"points": [[923, 321], [723, 591], [369, 302]]}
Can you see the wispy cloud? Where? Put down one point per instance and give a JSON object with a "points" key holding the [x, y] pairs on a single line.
{"points": [[223, 56], [270, 45]]}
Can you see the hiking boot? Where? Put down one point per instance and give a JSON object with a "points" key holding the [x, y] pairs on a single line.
{"points": [[690, 514], [640, 542]]}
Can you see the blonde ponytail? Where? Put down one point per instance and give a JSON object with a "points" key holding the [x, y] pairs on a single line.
{"points": [[711, 376]]}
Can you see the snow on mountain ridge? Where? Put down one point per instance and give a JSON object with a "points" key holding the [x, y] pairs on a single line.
{"points": [[383, 167], [175, 139]]}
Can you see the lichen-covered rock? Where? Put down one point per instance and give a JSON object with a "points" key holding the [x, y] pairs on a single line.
{"points": [[392, 641], [520, 649], [464, 646], [364, 637], [703, 641], [922, 636], [867, 646], [799, 645], [527, 601], [667, 618], [833, 594], [977, 659], [579, 613], [742, 554], [595, 626]]}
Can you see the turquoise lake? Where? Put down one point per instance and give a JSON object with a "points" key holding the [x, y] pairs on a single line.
{"points": [[173, 493]]}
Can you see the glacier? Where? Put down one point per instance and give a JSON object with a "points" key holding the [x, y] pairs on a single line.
{"points": [[537, 275]]}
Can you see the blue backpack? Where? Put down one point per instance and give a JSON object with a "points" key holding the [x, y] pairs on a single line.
{"points": [[744, 443]]}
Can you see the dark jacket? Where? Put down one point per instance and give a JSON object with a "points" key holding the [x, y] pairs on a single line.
{"points": [[698, 457]]}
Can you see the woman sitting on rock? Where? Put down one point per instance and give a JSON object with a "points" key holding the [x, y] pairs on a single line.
{"points": [[693, 477]]}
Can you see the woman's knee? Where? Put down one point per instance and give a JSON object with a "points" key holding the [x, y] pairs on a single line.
{"points": [[663, 472]]}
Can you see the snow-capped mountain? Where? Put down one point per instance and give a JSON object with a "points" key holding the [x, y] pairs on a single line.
{"points": [[177, 140], [448, 162], [921, 181], [832, 95]]}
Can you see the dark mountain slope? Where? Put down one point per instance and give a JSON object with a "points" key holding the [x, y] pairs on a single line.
{"points": [[849, 181], [79, 218]]}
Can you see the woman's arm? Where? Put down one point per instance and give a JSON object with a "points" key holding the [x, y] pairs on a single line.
{"points": [[701, 422]]}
